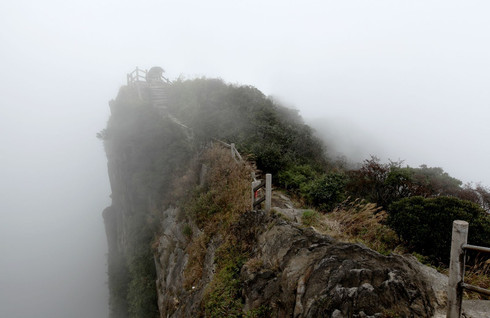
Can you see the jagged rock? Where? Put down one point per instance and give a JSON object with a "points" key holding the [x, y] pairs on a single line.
{"points": [[306, 274], [303, 274]]}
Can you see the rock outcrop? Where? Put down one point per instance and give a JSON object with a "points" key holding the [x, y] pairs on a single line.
{"points": [[306, 274], [297, 272]]}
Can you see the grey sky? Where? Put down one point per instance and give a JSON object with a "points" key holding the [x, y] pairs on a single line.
{"points": [[398, 79]]}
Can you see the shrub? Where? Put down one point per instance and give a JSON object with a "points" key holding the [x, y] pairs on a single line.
{"points": [[309, 217], [187, 231], [326, 191], [223, 296], [426, 224], [274, 135], [293, 178]]}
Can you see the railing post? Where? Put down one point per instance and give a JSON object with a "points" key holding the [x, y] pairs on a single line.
{"points": [[456, 269], [254, 184], [268, 192], [232, 147]]}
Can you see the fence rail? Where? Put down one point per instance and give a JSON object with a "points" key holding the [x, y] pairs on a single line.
{"points": [[456, 268], [476, 248], [138, 75], [234, 152]]}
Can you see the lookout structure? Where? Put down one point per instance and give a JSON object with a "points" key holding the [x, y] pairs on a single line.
{"points": [[152, 80]]}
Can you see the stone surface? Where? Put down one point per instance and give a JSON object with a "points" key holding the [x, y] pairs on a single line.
{"points": [[476, 308], [306, 274]]}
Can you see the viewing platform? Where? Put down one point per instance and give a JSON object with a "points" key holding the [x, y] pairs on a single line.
{"points": [[152, 79]]}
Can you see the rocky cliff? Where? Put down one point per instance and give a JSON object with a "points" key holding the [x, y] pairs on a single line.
{"points": [[184, 243], [293, 271]]}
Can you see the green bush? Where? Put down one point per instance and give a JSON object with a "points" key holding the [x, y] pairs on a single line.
{"points": [[309, 217], [426, 224], [260, 312], [187, 231], [273, 135], [326, 191], [294, 178]]}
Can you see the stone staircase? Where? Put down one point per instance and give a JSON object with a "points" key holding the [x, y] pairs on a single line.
{"points": [[158, 95], [159, 101]]}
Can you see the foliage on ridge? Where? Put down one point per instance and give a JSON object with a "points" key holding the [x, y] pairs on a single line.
{"points": [[275, 136]]}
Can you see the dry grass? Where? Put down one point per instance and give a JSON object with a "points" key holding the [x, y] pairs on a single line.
{"points": [[214, 206], [197, 252], [359, 222], [478, 275], [183, 186], [226, 194], [254, 264]]}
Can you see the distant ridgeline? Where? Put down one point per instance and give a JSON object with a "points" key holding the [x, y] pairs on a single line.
{"points": [[183, 241]]}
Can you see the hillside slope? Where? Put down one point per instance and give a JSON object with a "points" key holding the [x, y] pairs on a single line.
{"points": [[183, 241]]}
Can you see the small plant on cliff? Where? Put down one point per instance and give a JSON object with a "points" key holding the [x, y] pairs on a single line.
{"points": [[309, 217], [261, 312], [187, 231], [223, 296], [197, 252]]}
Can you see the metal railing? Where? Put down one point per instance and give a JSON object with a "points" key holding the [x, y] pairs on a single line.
{"points": [[459, 246]]}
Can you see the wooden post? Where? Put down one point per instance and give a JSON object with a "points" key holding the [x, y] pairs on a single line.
{"points": [[268, 192], [254, 184], [232, 147], [456, 269]]}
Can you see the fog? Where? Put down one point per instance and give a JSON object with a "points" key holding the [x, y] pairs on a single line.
{"points": [[398, 79]]}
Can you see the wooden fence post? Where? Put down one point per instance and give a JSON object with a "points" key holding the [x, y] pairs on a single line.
{"points": [[254, 184], [268, 192], [456, 269]]}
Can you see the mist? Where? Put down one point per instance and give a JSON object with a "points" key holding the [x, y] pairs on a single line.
{"points": [[400, 80]]}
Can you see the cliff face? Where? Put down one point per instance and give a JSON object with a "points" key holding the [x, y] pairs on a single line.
{"points": [[144, 152], [182, 242]]}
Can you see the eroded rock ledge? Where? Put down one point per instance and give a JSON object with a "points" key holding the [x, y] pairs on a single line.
{"points": [[297, 272], [309, 275]]}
